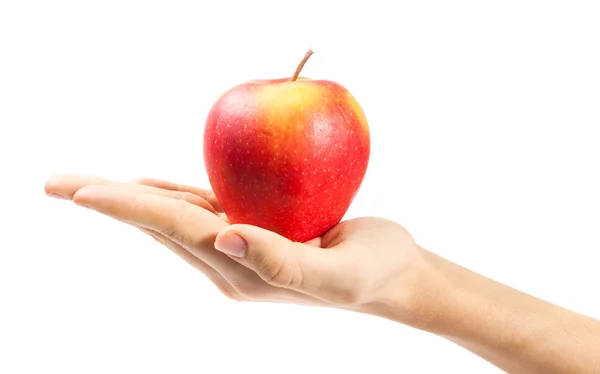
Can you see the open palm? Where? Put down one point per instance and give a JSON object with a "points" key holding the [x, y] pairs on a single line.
{"points": [[349, 266]]}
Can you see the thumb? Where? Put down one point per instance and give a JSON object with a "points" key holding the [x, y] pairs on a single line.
{"points": [[276, 259]]}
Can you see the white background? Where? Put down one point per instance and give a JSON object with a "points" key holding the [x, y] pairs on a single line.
{"points": [[483, 116]]}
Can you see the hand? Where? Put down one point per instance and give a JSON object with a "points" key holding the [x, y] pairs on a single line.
{"points": [[355, 265], [368, 265]]}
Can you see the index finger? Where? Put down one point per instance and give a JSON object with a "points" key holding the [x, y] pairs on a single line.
{"points": [[207, 195], [66, 185], [186, 224]]}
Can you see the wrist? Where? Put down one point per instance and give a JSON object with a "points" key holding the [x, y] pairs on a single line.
{"points": [[436, 296], [451, 301], [509, 328], [413, 297]]}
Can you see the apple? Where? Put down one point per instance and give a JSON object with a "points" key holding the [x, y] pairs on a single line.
{"points": [[288, 155]]}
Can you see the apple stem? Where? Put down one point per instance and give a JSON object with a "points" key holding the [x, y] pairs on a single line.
{"points": [[301, 64]]}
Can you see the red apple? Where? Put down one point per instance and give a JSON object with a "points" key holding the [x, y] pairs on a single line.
{"points": [[287, 155]]}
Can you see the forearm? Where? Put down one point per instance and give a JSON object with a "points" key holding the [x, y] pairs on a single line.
{"points": [[515, 331]]}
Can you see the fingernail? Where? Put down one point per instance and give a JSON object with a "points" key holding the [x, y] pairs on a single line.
{"points": [[231, 244], [56, 196]]}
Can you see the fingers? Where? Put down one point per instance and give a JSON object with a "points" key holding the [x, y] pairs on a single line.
{"points": [[208, 195], [216, 278], [237, 282], [178, 220], [67, 185], [187, 226], [321, 273], [315, 242]]}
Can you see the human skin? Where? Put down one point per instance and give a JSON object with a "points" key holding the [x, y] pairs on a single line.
{"points": [[379, 270]]}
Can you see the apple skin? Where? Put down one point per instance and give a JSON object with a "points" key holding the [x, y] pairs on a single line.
{"points": [[287, 156]]}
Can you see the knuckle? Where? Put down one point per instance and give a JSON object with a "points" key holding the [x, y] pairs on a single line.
{"points": [[248, 288], [347, 297], [187, 196], [159, 239], [274, 272], [205, 194], [353, 293], [174, 229], [277, 271], [171, 232], [229, 291], [250, 291], [168, 231], [211, 197], [194, 199]]}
